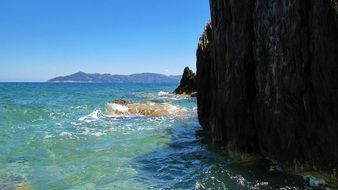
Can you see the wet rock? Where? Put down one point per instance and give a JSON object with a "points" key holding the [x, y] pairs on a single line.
{"points": [[145, 109], [267, 79], [122, 101], [188, 83], [154, 110]]}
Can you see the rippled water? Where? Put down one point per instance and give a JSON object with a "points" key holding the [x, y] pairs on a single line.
{"points": [[58, 136]]}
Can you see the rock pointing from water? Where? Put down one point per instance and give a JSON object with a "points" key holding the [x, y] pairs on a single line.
{"points": [[127, 108], [267, 75], [188, 83]]}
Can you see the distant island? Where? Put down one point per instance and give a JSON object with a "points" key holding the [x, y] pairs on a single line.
{"points": [[81, 77]]}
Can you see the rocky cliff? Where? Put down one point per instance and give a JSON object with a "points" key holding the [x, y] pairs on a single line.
{"points": [[267, 74]]}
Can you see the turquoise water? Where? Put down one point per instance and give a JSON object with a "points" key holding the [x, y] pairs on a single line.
{"points": [[58, 136]]}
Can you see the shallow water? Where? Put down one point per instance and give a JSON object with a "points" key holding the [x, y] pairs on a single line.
{"points": [[58, 136]]}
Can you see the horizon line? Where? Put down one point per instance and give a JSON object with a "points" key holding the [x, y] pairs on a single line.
{"points": [[64, 75]]}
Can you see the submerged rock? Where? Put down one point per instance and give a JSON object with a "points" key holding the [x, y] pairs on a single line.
{"points": [[14, 181], [267, 79], [24, 186], [188, 83]]}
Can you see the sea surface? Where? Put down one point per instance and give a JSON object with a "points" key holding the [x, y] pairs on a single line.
{"points": [[59, 136]]}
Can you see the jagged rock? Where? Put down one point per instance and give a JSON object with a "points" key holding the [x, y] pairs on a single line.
{"points": [[267, 79], [188, 83]]}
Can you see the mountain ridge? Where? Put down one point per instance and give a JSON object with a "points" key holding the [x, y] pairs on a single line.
{"points": [[82, 77]]}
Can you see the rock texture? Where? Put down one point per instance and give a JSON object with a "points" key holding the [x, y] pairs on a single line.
{"points": [[267, 75], [188, 83]]}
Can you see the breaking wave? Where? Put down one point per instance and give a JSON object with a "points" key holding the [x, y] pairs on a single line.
{"points": [[91, 117]]}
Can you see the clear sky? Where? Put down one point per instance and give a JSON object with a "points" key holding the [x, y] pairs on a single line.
{"points": [[41, 39]]}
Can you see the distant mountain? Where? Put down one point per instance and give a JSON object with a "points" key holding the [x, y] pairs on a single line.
{"points": [[82, 77]]}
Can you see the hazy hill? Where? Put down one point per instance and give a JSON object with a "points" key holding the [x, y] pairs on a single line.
{"points": [[82, 77]]}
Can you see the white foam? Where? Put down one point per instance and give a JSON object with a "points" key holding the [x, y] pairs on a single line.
{"points": [[83, 118], [47, 136], [172, 107], [116, 110], [171, 96], [94, 114], [91, 117], [65, 134], [118, 107], [75, 124], [162, 93], [86, 131], [91, 132], [97, 134], [80, 107], [199, 186]]}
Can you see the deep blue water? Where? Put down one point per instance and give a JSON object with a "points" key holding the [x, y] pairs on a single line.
{"points": [[59, 136]]}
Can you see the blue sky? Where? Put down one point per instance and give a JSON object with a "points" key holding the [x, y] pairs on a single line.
{"points": [[41, 39]]}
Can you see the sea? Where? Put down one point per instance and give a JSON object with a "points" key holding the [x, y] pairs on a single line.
{"points": [[59, 136]]}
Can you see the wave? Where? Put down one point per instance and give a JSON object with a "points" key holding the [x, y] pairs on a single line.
{"points": [[117, 108], [47, 136], [171, 96], [65, 134], [161, 96], [162, 93], [92, 132], [91, 117]]}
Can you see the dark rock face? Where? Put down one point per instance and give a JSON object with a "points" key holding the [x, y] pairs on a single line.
{"points": [[188, 83], [267, 74]]}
